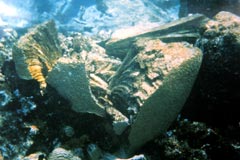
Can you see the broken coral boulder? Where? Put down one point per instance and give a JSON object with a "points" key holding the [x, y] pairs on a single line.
{"points": [[152, 85], [147, 90]]}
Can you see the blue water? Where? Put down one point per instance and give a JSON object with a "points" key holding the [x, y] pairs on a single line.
{"points": [[23, 13], [92, 16]]}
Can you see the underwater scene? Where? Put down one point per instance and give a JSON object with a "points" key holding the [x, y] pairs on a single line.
{"points": [[119, 79]]}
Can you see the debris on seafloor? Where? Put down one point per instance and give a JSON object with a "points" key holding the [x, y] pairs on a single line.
{"points": [[184, 29]]}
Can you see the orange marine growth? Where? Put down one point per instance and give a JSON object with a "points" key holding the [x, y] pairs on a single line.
{"points": [[35, 69], [36, 73]]}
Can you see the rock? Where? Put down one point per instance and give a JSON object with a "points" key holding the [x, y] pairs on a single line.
{"points": [[5, 97], [2, 77], [108, 156], [62, 154], [119, 121], [220, 73], [36, 53], [35, 156], [8, 37], [184, 29], [69, 78], [195, 140], [14, 138], [94, 152], [68, 131], [152, 85], [1, 157]]}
